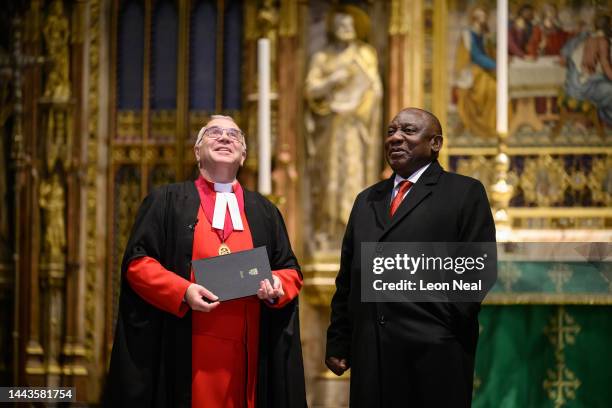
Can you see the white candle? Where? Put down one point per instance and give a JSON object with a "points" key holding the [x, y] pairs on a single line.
{"points": [[502, 67], [263, 117]]}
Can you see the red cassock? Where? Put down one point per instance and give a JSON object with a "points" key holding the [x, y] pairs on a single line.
{"points": [[225, 342]]}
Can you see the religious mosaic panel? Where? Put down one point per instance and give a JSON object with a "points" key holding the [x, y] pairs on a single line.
{"points": [[559, 136], [559, 85]]}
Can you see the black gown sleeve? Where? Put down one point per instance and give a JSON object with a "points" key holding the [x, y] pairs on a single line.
{"points": [[135, 360]]}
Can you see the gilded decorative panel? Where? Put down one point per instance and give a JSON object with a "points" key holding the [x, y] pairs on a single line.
{"points": [[129, 126], [548, 180], [160, 175], [127, 197], [163, 125], [93, 271], [562, 181]]}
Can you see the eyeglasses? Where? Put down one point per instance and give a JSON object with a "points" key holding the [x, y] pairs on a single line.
{"points": [[216, 132]]}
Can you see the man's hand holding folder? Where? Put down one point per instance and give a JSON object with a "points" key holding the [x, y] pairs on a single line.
{"points": [[240, 274], [196, 296], [270, 292]]}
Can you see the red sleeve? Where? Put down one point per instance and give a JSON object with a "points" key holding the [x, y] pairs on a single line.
{"points": [[292, 283], [158, 286]]}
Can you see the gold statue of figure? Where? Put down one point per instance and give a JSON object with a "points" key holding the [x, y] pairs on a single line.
{"points": [[51, 201], [267, 18], [56, 32], [343, 93], [58, 138], [57, 88]]}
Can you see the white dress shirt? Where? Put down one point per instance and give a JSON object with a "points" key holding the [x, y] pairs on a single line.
{"points": [[413, 179]]}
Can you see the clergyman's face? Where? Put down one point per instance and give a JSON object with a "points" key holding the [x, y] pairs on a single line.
{"points": [[344, 28], [223, 150], [410, 144]]}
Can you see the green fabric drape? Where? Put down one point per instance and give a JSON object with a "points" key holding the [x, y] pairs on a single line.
{"points": [[544, 356]]}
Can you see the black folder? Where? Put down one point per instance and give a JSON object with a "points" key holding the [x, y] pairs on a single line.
{"points": [[234, 275]]}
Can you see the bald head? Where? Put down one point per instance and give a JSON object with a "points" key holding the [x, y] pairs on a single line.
{"points": [[434, 127], [414, 138]]}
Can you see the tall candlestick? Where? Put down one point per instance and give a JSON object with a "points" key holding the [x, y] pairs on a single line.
{"points": [[502, 191], [263, 117], [502, 67]]}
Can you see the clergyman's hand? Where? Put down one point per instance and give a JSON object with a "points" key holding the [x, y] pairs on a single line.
{"points": [[194, 296], [270, 291], [337, 365]]}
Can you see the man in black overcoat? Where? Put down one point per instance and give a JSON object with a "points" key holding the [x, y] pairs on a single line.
{"points": [[408, 354]]}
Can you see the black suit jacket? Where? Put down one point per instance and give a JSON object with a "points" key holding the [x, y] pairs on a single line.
{"points": [[440, 207]]}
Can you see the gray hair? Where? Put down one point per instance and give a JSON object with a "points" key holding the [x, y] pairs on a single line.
{"points": [[215, 117]]}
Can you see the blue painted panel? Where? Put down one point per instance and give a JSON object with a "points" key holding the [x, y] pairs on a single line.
{"points": [[202, 66], [164, 58], [232, 53], [130, 56]]}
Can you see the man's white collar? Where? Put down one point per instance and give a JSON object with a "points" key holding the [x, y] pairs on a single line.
{"points": [[226, 199], [414, 177]]}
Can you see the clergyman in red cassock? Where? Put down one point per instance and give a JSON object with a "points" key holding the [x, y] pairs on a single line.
{"points": [[175, 343]]}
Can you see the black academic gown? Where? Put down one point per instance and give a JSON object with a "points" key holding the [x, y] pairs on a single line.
{"points": [[151, 357], [382, 340]]}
